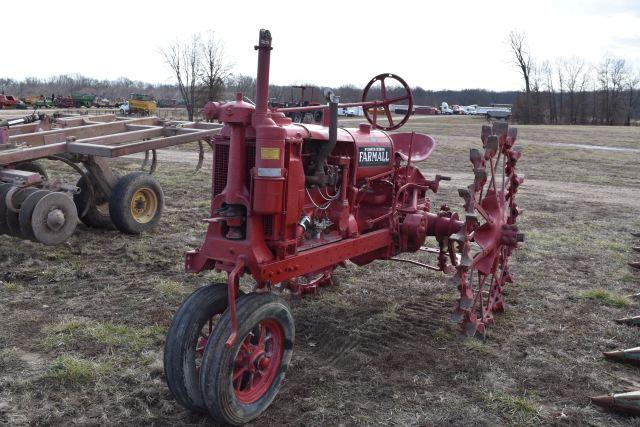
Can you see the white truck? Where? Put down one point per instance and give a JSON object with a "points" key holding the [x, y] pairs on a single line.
{"points": [[444, 109], [492, 112], [498, 113], [350, 111]]}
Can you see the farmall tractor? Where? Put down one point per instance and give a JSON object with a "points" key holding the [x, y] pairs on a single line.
{"points": [[291, 202]]}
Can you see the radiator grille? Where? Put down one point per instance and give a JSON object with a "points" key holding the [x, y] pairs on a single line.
{"points": [[221, 166], [267, 224], [251, 162]]}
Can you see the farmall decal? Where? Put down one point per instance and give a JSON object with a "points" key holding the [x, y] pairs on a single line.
{"points": [[374, 156]]}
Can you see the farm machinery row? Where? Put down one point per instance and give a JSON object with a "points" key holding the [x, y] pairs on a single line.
{"points": [[47, 211], [137, 103], [291, 202]]}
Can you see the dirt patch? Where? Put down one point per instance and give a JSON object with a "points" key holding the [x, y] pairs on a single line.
{"points": [[83, 323]]}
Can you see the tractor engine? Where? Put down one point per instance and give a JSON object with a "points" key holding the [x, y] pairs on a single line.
{"points": [[310, 185]]}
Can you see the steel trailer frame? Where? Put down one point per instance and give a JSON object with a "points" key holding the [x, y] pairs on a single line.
{"points": [[90, 141]]}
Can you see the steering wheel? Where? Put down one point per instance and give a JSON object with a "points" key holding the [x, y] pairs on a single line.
{"points": [[387, 101]]}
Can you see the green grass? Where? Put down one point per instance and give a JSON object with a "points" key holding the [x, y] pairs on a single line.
{"points": [[170, 288], [605, 297], [519, 410], [61, 334], [203, 204], [474, 343], [125, 337], [10, 287], [70, 369], [109, 335], [630, 278]]}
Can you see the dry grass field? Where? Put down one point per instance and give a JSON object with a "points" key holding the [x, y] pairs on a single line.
{"points": [[82, 325]]}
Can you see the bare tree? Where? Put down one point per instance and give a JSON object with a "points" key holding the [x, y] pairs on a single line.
{"points": [[573, 68], [582, 102], [604, 79], [214, 70], [184, 59], [524, 63], [245, 84], [547, 72], [560, 66], [633, 85], [620, 75]]}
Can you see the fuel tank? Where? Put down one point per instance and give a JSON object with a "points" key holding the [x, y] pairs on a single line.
{"points": [[373, 152]]}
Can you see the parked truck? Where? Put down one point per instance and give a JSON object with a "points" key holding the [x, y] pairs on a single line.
{"points": [[140, 104], [498, 113], [7, 101]]}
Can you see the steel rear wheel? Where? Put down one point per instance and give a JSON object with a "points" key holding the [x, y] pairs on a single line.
{"points": [[239, 383], [187, 338], [490, 234]]}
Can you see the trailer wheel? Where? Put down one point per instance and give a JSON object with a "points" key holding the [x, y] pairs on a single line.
{"points": [[136, 203], [4, 189], [13, 219], [54, 219], [97, 214], [26, 213], [187, 338], [33, 166], [240, 382]]}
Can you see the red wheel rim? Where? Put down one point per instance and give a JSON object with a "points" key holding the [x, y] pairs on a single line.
{"points": [[258, 360]]}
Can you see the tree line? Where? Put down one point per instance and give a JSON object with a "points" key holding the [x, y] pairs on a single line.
{"points": [[71, 84], [572, 91], [565, 91]]}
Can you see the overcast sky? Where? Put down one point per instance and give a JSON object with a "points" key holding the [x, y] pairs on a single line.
{"points": [[439, 44]]}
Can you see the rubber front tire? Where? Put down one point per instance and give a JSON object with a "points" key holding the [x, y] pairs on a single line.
{"points": [[254, 311], [182, 339], [129, 216]]}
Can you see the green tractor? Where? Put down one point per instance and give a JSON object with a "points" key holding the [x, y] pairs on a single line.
{"points": [[83, 100]]}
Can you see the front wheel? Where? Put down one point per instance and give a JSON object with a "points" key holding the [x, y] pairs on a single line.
{"points": [[187, 337], [239, 383]]}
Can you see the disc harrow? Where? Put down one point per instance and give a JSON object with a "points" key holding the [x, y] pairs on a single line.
{"points": [[35, 208]]}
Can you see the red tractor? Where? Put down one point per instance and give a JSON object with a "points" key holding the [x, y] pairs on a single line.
{"points": [[292, 202]]}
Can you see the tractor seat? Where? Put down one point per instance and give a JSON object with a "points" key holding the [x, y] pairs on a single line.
{"points": [[422, 147]]}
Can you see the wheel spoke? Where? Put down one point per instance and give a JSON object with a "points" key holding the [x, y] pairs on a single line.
{"points": [[483, 213], [246, 347], [239, 374], [387, 111], [383, 89], [261, 336], [399, 98]]}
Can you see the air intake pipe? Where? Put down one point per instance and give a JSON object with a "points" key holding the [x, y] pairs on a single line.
{"points": [[268, 176]]}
